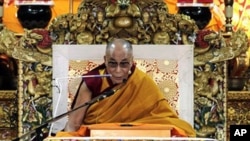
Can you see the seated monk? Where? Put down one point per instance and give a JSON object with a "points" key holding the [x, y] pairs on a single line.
{"points": [[138, 100]]}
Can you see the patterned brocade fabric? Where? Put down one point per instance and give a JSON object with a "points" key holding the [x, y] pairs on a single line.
{"points": [[163, 72]]}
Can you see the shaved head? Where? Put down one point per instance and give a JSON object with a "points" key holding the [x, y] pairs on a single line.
{"points": [[119, 44]]}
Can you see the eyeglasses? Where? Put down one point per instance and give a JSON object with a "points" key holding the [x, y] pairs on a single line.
{"points": [[123, 64]]}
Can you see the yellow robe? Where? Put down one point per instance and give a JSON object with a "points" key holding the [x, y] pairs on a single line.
{"points": [[138, 101]]}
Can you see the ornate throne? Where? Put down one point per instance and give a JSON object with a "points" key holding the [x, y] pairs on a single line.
{"points": [[96, 22]]}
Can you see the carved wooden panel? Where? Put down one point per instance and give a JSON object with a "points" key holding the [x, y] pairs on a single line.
{"points": [[210, 100], [238, 105], [8, 115]]}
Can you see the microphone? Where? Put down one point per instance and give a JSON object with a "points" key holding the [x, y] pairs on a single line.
{"points": [[108, 93], [57, 84], [38, 130], [84, 76], [124, 80]]}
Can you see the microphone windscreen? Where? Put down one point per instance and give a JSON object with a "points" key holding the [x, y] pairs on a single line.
{"points": [[124, 80]]}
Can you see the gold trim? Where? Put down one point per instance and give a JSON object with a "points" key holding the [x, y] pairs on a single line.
{"points": [[20, 97], [8, 94], [238, 95]]}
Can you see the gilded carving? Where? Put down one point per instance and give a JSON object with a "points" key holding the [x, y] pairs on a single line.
{"points": [[141, 22], [238, 109], [209, 99], [8, 114]]}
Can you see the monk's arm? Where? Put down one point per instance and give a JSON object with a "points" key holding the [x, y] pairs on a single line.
{"points": [[75, 118]]}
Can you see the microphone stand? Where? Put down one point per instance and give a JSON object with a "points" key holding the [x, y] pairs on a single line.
{"points": [[38, 130]]}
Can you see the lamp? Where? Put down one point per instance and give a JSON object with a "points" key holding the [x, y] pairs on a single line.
{"points": [[35, 13]]}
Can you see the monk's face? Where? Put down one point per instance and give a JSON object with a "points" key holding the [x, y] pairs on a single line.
{"points": [[118, 63]]}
